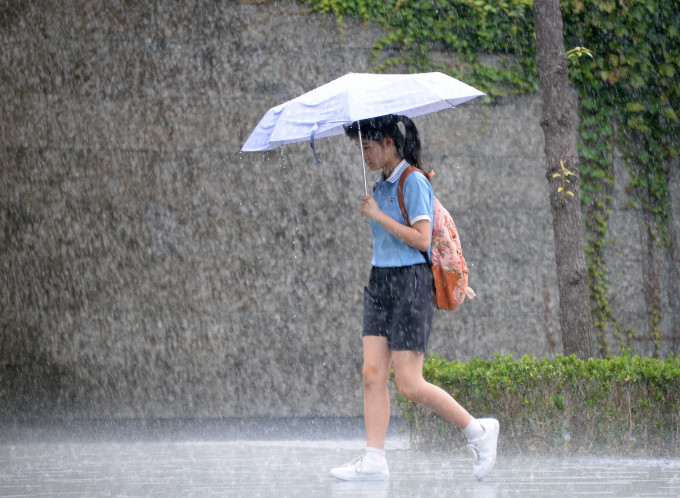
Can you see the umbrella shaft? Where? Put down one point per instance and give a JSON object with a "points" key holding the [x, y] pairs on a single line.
{"points": [[363, 163]]}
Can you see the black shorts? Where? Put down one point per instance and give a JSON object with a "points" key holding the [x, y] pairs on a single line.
{"points": [[398, 305]]}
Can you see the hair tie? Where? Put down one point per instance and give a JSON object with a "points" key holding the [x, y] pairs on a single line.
{"points": [[401, 127]]}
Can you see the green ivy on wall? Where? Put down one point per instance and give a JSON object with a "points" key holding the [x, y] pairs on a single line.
{"points": [[629, 96], [467, 29], [628, 92]]}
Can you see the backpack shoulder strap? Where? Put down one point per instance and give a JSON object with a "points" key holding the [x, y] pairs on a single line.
{"points": [[400, 192], [402, 206]]}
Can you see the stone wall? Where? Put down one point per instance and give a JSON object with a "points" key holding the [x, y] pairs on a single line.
{"points": [[149, 269]]}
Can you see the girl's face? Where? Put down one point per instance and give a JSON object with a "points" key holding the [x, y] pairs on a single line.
{"points": [[378, 155]]}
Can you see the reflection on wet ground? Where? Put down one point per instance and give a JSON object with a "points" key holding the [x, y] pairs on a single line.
{"points": [[267, 458]]}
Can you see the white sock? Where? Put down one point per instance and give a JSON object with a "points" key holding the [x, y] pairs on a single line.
{"points": [[375, 454], [474, 430]]}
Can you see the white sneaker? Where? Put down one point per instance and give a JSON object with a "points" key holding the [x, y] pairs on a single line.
{"points": [[484, 449], [362, 469]]}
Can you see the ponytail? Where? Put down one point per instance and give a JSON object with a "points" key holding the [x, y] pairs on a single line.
{"points": [[406, 141], [410, 149]]}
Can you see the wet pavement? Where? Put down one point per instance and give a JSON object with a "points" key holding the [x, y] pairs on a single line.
{"points": [[288, 458]]}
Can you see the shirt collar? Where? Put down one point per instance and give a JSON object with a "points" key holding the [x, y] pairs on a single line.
{"points": [[398, 171]]}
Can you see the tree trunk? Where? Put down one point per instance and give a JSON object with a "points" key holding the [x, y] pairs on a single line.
{"points": [[572, 273], [674, 255]]}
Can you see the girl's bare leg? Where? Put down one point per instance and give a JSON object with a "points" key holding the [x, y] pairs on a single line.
{"points": [[408, 374], [376, 371]]}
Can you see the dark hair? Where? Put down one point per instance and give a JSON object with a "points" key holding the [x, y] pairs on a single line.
{"points": [[377, 129]]}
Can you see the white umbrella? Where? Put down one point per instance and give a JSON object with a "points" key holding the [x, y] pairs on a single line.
{"points": [[323, 111]]}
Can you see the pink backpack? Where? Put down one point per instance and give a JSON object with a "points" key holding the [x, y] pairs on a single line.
{"points": [[448, 264]]}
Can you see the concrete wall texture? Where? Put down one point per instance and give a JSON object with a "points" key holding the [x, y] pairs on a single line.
{"points": [[149, 269]]}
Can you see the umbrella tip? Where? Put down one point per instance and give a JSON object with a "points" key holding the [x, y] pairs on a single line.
{"points": [[311, 142]]}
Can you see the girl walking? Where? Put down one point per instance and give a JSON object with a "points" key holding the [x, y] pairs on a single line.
{"points": [[398, 302]]}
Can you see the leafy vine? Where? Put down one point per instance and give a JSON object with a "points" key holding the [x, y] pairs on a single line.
{"points": [[564, 174]]}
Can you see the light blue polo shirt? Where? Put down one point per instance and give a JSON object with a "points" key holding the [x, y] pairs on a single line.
{"points": [[388, 250]]}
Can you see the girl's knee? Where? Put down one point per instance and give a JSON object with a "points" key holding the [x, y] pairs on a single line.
{"points": [[409, 388], [373, 375]]}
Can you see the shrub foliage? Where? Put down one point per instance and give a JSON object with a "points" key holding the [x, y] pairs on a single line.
{"points": [[617, 406]]}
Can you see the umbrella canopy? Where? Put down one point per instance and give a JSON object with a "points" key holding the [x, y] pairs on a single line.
{"points": [[323, 111]]}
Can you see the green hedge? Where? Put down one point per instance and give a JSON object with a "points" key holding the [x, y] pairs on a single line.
{"points": [[617, 406]]}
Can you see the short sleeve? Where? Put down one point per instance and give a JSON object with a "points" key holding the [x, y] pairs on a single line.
{"points": [[418, 198]]}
